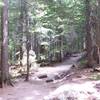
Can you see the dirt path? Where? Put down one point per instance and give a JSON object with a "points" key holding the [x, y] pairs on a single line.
{"points": [[37, 88]]}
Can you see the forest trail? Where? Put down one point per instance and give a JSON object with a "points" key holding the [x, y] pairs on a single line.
{"points": [[37, 88], [57, 69]]}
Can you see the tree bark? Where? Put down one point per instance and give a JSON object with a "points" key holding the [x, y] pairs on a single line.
{"points": [[98, 31], [28, 64], [5, 79], [89, 45]]}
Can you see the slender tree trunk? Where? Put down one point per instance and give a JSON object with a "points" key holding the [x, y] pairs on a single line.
{"points": [[88, 35], [21, 29], [61, 48], [35, 47], [28, 45], [28, 64], [4, 45], [49, 53], [28, 42], [98, 31]]}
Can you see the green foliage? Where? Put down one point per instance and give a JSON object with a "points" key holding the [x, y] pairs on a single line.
{"points": [[83, 62], [1, 3], [95, 76], [47, 18]]}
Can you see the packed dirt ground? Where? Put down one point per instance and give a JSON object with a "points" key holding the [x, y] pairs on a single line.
{"points": [[59, 82]]}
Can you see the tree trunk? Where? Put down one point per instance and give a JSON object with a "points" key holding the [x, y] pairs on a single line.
{"points": [[28, 64], [4, 45], [36, 44], [28, 42], [95, 28], [98, 31], [88, 35]]}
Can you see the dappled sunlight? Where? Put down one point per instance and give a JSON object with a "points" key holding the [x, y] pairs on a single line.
{"points": [[1, 98], [36, 92], [79, 91], [1, 3], [28, 98]]}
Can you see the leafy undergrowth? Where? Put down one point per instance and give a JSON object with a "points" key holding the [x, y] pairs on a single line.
{"points": [[95, 76], [18, 71]]}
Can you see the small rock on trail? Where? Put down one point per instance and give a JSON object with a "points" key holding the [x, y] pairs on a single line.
{"points": [[42, 76]]}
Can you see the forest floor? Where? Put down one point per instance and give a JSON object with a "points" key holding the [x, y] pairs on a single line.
{"points": [[47, 80]]}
